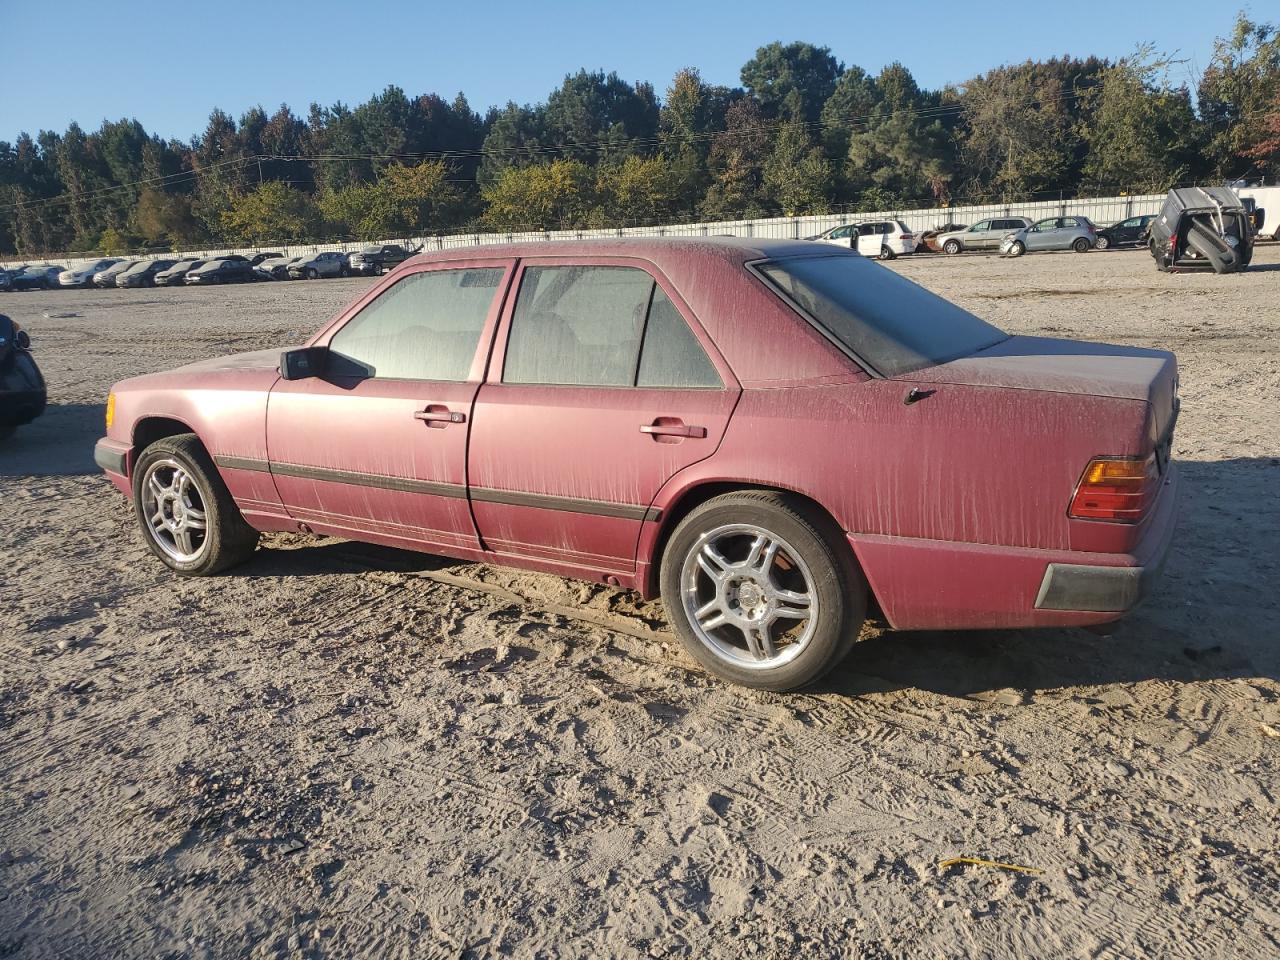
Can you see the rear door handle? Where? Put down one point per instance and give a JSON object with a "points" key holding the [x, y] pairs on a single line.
{"points": [[672, 429], [440, 416]]}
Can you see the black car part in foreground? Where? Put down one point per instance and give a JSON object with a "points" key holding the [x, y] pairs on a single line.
{"points": [[22, 390]]}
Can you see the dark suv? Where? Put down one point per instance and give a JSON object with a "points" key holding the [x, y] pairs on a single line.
{"points": [[1202, 228], [1130, 232], [374, 261]]}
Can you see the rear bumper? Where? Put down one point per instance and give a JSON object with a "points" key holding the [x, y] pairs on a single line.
{"points": [[940, 585]]}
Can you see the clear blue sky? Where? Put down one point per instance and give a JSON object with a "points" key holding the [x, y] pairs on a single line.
{"points": [[169, 64]]}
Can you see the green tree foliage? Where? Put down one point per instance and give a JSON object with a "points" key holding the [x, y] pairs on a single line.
{"points": [[736, 164], [165, 218], [404, 201], [1237, 93], [548, 196], [639, 189], [1021, 130], [269, 212], [1142, 135], [792, 81], [797, 176]]}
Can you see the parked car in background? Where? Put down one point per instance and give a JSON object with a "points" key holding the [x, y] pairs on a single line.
{"points": [[883, 239], [1202, 228], [317, 265], [262, 256], [6, 278], [929, 239], [107, 276], [276, 268], [1126, 233], [983, 235], [732, 390], [1052, 233], [143, 273], [83, 276], [39, 277], [176, 274], [377, 260], [229, 269], [22, 389]]}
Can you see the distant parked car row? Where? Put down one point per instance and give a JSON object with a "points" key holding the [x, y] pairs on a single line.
{"points": [[233, 268]]}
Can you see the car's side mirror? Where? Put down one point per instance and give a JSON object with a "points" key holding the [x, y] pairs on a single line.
{"points": [[22, 340], [304, 362], [1259, 217]]}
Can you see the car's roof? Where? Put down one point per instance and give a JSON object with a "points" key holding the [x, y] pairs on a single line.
{"points": [[661, 251]]}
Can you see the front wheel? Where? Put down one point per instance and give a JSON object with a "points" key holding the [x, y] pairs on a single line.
{"points": [[760, 591], [186, 514], [1081, 245], [1103, 243], [1017, 248], [951, 246], [312, 275]]}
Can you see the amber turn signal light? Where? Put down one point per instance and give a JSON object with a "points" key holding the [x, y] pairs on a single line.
{"points": [[1118, 489], [111, 409]]}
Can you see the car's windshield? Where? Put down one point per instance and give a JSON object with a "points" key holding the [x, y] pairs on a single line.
{"points": [[894, 325]]}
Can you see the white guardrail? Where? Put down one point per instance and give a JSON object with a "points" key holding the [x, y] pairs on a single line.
{"points": [[1101, 210]]}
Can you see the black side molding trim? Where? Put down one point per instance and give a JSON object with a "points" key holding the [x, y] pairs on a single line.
{"points": [[597, 508]]}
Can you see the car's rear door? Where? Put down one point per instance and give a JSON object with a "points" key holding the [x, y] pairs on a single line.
{"points": [[377, 446], [600, 389]]}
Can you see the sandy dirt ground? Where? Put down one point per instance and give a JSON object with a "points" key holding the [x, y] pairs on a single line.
{"points": [[339, 750]]}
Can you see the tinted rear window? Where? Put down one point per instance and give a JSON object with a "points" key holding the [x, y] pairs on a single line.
{"points": [[895, 325]]}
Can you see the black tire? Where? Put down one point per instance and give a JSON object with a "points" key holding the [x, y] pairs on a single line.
{"points": [[311, 274], [840, 590], [1081, 245], [1103, 242], [228, 539], [344, 273], [952, 247], [1017, 248], [886, 253]]}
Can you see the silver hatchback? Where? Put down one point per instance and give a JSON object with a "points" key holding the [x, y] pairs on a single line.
{"points": [[1053, 233]]}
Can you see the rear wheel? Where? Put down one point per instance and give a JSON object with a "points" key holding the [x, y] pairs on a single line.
{"points": [[886, 253], [1081, 245], [760, 592], [186, 514], [951, 246]]}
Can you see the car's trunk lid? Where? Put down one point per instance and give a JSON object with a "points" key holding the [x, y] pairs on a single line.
{"points": [[1070, 366]]}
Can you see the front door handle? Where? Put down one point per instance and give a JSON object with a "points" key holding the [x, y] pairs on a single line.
{"points": [[672, 427], [438, 414]]}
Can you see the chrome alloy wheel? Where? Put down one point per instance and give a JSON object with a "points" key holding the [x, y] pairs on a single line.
{"points": [[749, 596], [175, 511]]}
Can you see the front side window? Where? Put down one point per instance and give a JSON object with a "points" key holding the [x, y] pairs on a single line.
{"points": [[984, 225], [839, 233], [892, 324], [424, 327], [601, 326]]}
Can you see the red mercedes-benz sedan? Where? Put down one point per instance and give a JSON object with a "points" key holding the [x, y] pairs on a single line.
{"points": [[773, 435]]}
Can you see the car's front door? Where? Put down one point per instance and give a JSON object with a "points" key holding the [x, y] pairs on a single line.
{"points": [[377, 445], [599, 391], [980, 236], [1041, 235]]}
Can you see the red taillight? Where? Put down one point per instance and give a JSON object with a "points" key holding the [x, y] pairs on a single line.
{"points": [[1118, 489], [908, 236]]}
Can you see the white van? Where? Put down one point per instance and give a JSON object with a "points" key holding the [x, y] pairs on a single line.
{"points": [[884, 239], [1267, 200]]}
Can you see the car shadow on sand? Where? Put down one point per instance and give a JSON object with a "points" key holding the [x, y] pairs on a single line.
{"points": [[57, 444]]}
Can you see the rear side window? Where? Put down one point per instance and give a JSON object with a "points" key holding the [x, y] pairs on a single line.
{"points": [[889, 322], [671, 355], [585, 326], [425, 327]]}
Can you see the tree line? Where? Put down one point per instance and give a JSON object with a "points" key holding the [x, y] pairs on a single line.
{"points": [[802, 134]]}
